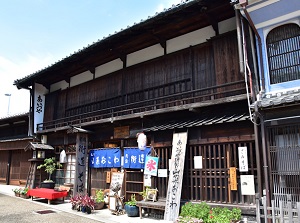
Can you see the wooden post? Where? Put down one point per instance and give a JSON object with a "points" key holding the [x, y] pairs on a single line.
{"points": [[298, 210], [289, 206], [281, 214], [273, 210], [264, 201], [257, 207]]}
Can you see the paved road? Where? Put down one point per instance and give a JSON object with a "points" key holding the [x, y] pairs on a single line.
{"points": [[14, 210]]}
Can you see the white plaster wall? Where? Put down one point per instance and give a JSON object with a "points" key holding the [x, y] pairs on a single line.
{"points": [[227, 25], [59, 86], [145, 54], [109, 67], [81, 78], [190, 39]]}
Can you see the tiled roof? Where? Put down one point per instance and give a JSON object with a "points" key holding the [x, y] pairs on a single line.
{"points": [[279, 98], [198, 122]]}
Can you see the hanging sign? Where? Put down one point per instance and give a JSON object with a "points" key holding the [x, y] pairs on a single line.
{"points": [[247, 185], [147, 180], [175, 177], [151, 165], [105, 158], [198, 162], [232, 174], [243, 159], [162, 173], [135, 158]]}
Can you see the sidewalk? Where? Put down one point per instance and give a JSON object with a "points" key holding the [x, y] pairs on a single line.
{"points": [[103, 216]]}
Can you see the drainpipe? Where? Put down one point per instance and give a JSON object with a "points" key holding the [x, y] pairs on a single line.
{"points": [[239, 37], [265, 163]]}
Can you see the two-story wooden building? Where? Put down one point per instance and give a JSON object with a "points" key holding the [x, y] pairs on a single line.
{"points": [[176, 71]]}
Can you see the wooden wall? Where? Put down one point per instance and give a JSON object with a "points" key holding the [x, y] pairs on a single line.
{"points": [[212, 63]]}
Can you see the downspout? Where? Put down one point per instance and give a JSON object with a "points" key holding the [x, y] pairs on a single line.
{"points": [[263, 134], [262, 76]]}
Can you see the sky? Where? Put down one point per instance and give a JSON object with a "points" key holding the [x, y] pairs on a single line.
{"points": [[39, 33]]}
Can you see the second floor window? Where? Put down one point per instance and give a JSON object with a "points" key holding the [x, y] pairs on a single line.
{"points": [[283, 48]]}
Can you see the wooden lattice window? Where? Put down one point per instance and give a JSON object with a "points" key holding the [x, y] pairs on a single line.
{"points": [[283, 48]]}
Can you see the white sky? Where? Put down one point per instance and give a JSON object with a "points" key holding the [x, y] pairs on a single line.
{"points": [[38, 33]]}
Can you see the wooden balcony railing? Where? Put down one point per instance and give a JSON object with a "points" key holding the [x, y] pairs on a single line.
{"points": [[106, 112]]}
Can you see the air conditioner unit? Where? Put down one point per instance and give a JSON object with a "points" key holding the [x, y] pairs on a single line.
{"points": [[44, 139]]}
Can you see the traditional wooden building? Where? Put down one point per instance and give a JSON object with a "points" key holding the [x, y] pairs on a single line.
{"points": [[276, 107], [176, 71], [14, 138]]}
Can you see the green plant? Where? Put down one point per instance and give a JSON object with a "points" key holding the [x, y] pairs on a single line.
{"points": [[16, 190], [236, 214], [24, 191], [132, 201], [50, 166], [201, 212], [195, 210], [99, 196], [144, 192]]}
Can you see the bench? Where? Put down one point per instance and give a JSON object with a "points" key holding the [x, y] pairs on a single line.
{"points": [[46, 193], [158, 205]]}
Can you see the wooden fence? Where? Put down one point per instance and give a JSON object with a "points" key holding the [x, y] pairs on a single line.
{"points": [[279, 212]]}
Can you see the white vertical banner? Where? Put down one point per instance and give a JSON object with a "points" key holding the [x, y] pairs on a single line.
{"points": [[175, 178], [243, 159], [38, 105]]}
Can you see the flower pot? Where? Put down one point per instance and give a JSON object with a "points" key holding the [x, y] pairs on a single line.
{"points": [[83, 209], [17, 194], [49, 185], [25, 196], [132, 211], [88, 210], [99, 205]]}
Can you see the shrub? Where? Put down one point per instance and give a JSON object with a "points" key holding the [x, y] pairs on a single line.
{"points": [[201, 212], [195, 210]]}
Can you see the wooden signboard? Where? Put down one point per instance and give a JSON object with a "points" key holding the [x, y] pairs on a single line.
{"points": [[175, 178], [232, 174], [108, 177], [81, 155], [121, 132]]}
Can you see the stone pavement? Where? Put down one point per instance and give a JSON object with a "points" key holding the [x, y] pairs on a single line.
{"points": [[103, 216]]}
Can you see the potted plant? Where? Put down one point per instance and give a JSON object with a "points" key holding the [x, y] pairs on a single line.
{"points": [[16, 191], [76, 202], [130, 207], [99, 199], [144, 193], [50, 166], [87, 204], [23, 193]]}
